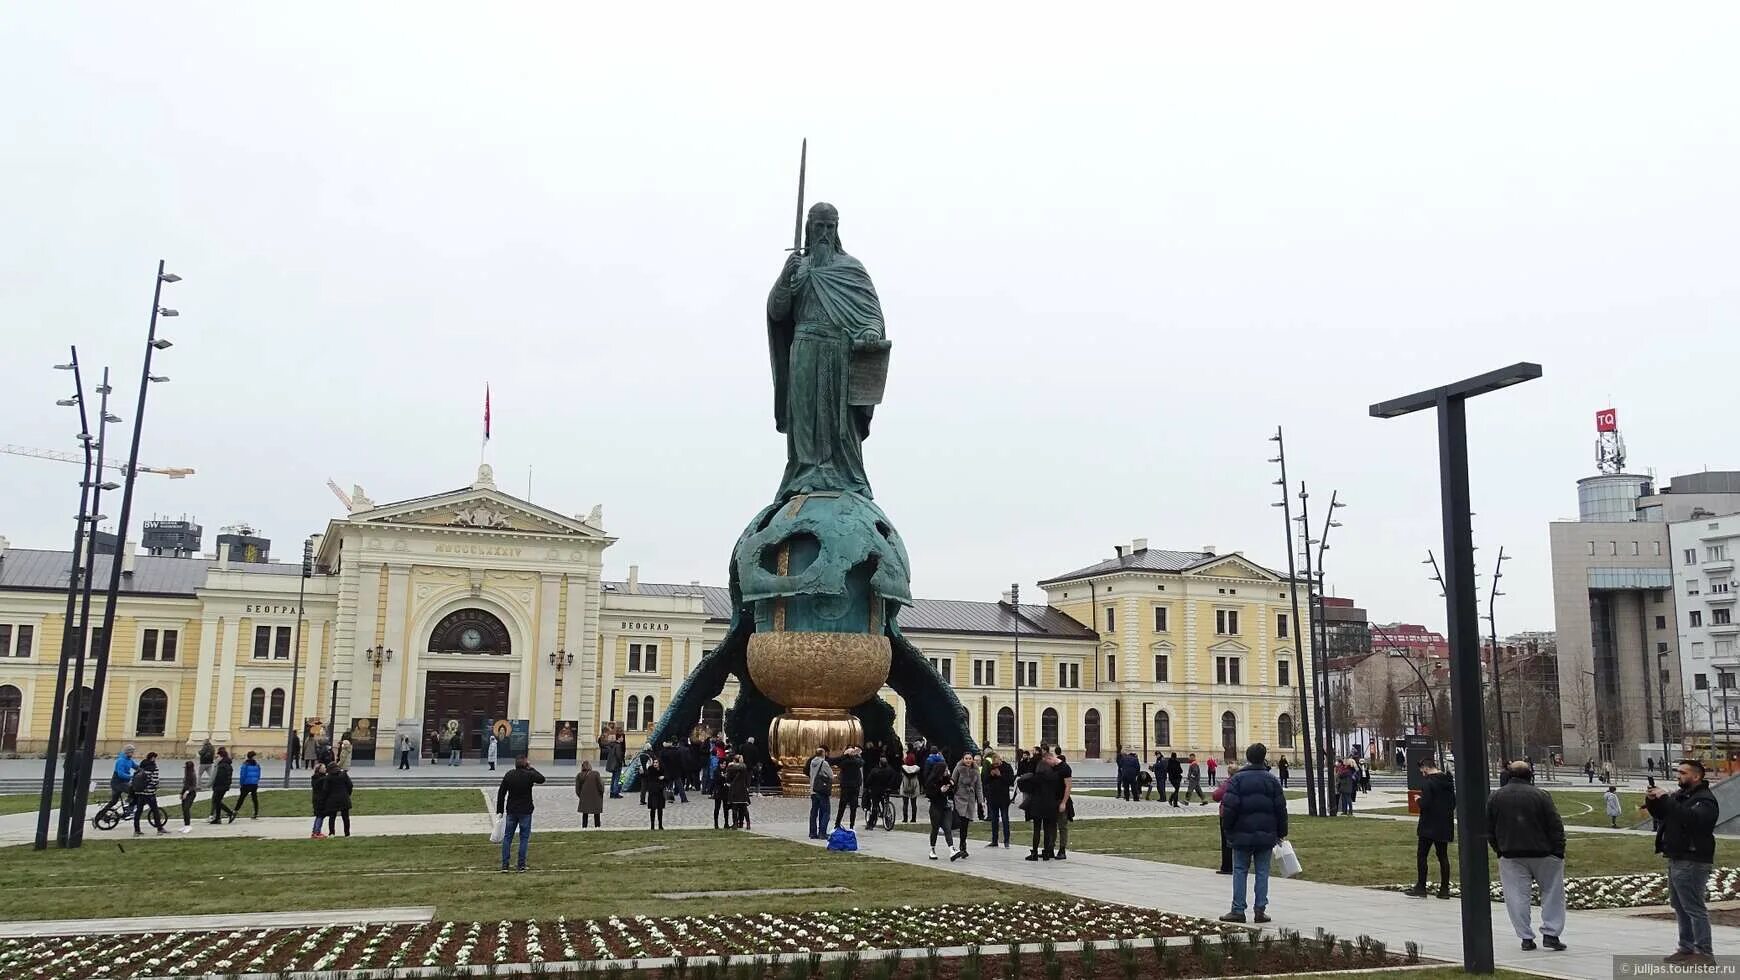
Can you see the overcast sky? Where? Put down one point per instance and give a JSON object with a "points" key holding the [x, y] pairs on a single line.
{"points": [[1114, 252]]}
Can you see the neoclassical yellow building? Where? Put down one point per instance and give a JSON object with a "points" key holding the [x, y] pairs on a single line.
{"points": [[472, 610]]}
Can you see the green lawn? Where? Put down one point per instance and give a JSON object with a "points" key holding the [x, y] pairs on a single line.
{"points": [[1353, 852], [1577, 808], [574, 874], [22, 802], [363, 802]]}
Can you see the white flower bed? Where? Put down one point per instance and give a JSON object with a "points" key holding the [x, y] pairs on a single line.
{"points": [[1620, 891], [216, 954]]}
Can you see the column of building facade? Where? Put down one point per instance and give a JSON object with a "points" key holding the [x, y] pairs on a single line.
{"points": [[354, 672], [579, 677], [1129, 662], [309, 701], [543, 708], [205, 676], [394, 637], [223, 720], [1191, 680], [344, 633]]}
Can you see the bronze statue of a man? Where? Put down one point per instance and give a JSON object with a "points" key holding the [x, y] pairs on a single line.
{"points": [[830, 360]]}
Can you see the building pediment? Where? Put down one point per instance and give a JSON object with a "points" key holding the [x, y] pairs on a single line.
{"points": [[1228, 648], [478, 509], [1232, 566]]}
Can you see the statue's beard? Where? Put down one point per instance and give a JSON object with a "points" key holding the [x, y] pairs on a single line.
{"points": [[823, 251]]}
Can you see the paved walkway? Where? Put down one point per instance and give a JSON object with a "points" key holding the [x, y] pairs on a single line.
{"points": [[306, 919], [1594, 937]]}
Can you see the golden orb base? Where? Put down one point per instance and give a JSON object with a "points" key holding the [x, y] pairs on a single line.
{"points": [[795, 735]]}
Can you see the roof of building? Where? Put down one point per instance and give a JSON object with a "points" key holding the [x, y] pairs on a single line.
{"points": [[31, 569], [924, 616], [1151, 560]]}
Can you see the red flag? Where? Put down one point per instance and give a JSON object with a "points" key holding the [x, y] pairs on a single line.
{"points": [[486, 413]]}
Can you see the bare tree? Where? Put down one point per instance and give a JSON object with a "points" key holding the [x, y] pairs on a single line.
{"points": [[1390, 721], [1583, 708]]}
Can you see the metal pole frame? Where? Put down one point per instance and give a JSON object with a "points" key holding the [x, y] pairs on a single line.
{"points": [[56, 713], [70, 792], [1320, 647], [1286, 506], [81, 792], [1498, 662], [1015, 604], [290, 725], [1320, 749], [1463, 631]]}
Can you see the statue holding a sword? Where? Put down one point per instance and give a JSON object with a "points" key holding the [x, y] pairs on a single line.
{"points": [[830, 357]]}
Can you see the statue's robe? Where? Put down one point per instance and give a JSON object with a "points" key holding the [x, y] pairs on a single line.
{"points": [[810, 333]]}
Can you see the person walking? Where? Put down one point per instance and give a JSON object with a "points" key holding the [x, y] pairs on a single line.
{"points": [[969, 799], [1212, 781], [1174, 775], [1687, 820], [939, 783], [1529, 838], [821, 775], [1159, 771], [295, 750], [1281, 769], [513, 803], [1610, 804], [1437, 827], [317, 794], [909, 789], [404, 752], [489, 754], [1129, 768], [221, 775], [849, 769], [1193, 782], [656, 782], [721, 793], [671, 763], [122, 777], [189, 793], [1344, 787], [338, 787], [1220, 809], [1253, 815], [589, 788], [344, 753], [207, 755], [999, 785], [454, 745], [1044, 803], [249, 781], [742, 777], [1589, 771], [144, 786], [1066, 810]]}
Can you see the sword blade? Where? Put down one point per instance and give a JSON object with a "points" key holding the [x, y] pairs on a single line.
{"points": [[797, 231]]}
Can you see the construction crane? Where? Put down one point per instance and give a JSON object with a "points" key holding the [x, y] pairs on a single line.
{"points": [[173, 472]]}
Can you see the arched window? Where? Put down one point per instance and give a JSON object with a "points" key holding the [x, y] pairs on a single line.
{"points": [[1048, 726], [275, 716], [470, 631], [1005, 726], [713, 716], [11, 707], [634, 713], [1162, 728], [648, 716], [1229, 735], [257, 708], [1284, 731], [1090, 733], [153, 713]]}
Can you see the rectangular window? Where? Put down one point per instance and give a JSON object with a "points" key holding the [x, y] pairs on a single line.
{"points": [[1719, 617], [1613, 548], [1690, 555], [1660, 596], [1226, 622], [1697, 617], [1658, 549], [26, 634], [5, 640], [634, 658], [1031, 669], [1724, 649], [985, 673], [1591, 545], [1284, 673], [1281, 625], [1159, 619], [1162, 668], [1691, 586], [262, 642], [1697, 650], [281, 649], [1634, 549], [651, 663], [171, 643], [1724, 680], [1716, 552], [1111, 668], [1226, 670], [148, 646], [1069, 676], [945, 667], [1111, 619], [1700, 682], [1719, 588], [978, 673], [1661, 647], [1661, 622], [96, 640]]}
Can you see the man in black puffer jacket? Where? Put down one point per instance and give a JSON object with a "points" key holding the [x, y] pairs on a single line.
{"points": [[1253, 816], [1687, 838], [1524, 828]]}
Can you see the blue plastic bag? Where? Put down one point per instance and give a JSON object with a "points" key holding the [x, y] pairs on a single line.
{"points": [[842, 840]]}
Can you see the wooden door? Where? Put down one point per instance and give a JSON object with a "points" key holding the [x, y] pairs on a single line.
{"points": [[1090, 733], [464, 701], [11, 704]]}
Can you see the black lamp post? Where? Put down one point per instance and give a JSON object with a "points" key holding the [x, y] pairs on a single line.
{"points": [[80, 535], [153, 344], [1463, 627], [1015, 607], [1307, 692], [290, 725]]}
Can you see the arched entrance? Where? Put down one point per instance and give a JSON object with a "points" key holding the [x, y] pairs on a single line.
{"points": [[470, 631], [1090, 733], [1229, 735], [713, 716], [11, 705]]}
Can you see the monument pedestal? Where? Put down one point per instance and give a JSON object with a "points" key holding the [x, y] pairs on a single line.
{"points": [[795, 736], [818, 678]]}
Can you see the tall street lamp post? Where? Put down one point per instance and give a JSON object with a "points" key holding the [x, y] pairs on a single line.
{"points": [[153, 344], [80, 533], [1015, 607], [1463, 626], [1307, 693], [290, 726]]}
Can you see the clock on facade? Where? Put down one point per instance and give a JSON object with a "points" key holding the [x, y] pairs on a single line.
{"points": [[471, 638]]}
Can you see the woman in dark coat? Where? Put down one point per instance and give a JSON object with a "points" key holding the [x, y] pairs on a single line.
{"points": [[1437, 827], [589, 788], [337, 801], [999, 783], [654, 780], [721, 792], [741, 777], [317, 787], [189, 792]]}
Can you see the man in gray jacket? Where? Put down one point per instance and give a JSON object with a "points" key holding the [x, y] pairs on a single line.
{"points": [[969, 798], [821, 786], [1524, 828]]}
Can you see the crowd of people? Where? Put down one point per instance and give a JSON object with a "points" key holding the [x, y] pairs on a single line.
{"points": [[135, 784]]}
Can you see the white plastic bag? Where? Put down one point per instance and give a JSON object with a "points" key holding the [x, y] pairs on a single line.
{"points": [[497, 832], [1286, 860]]}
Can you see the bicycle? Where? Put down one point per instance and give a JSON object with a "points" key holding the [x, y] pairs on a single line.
{"points": [[881, 809], [114, 812]]}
